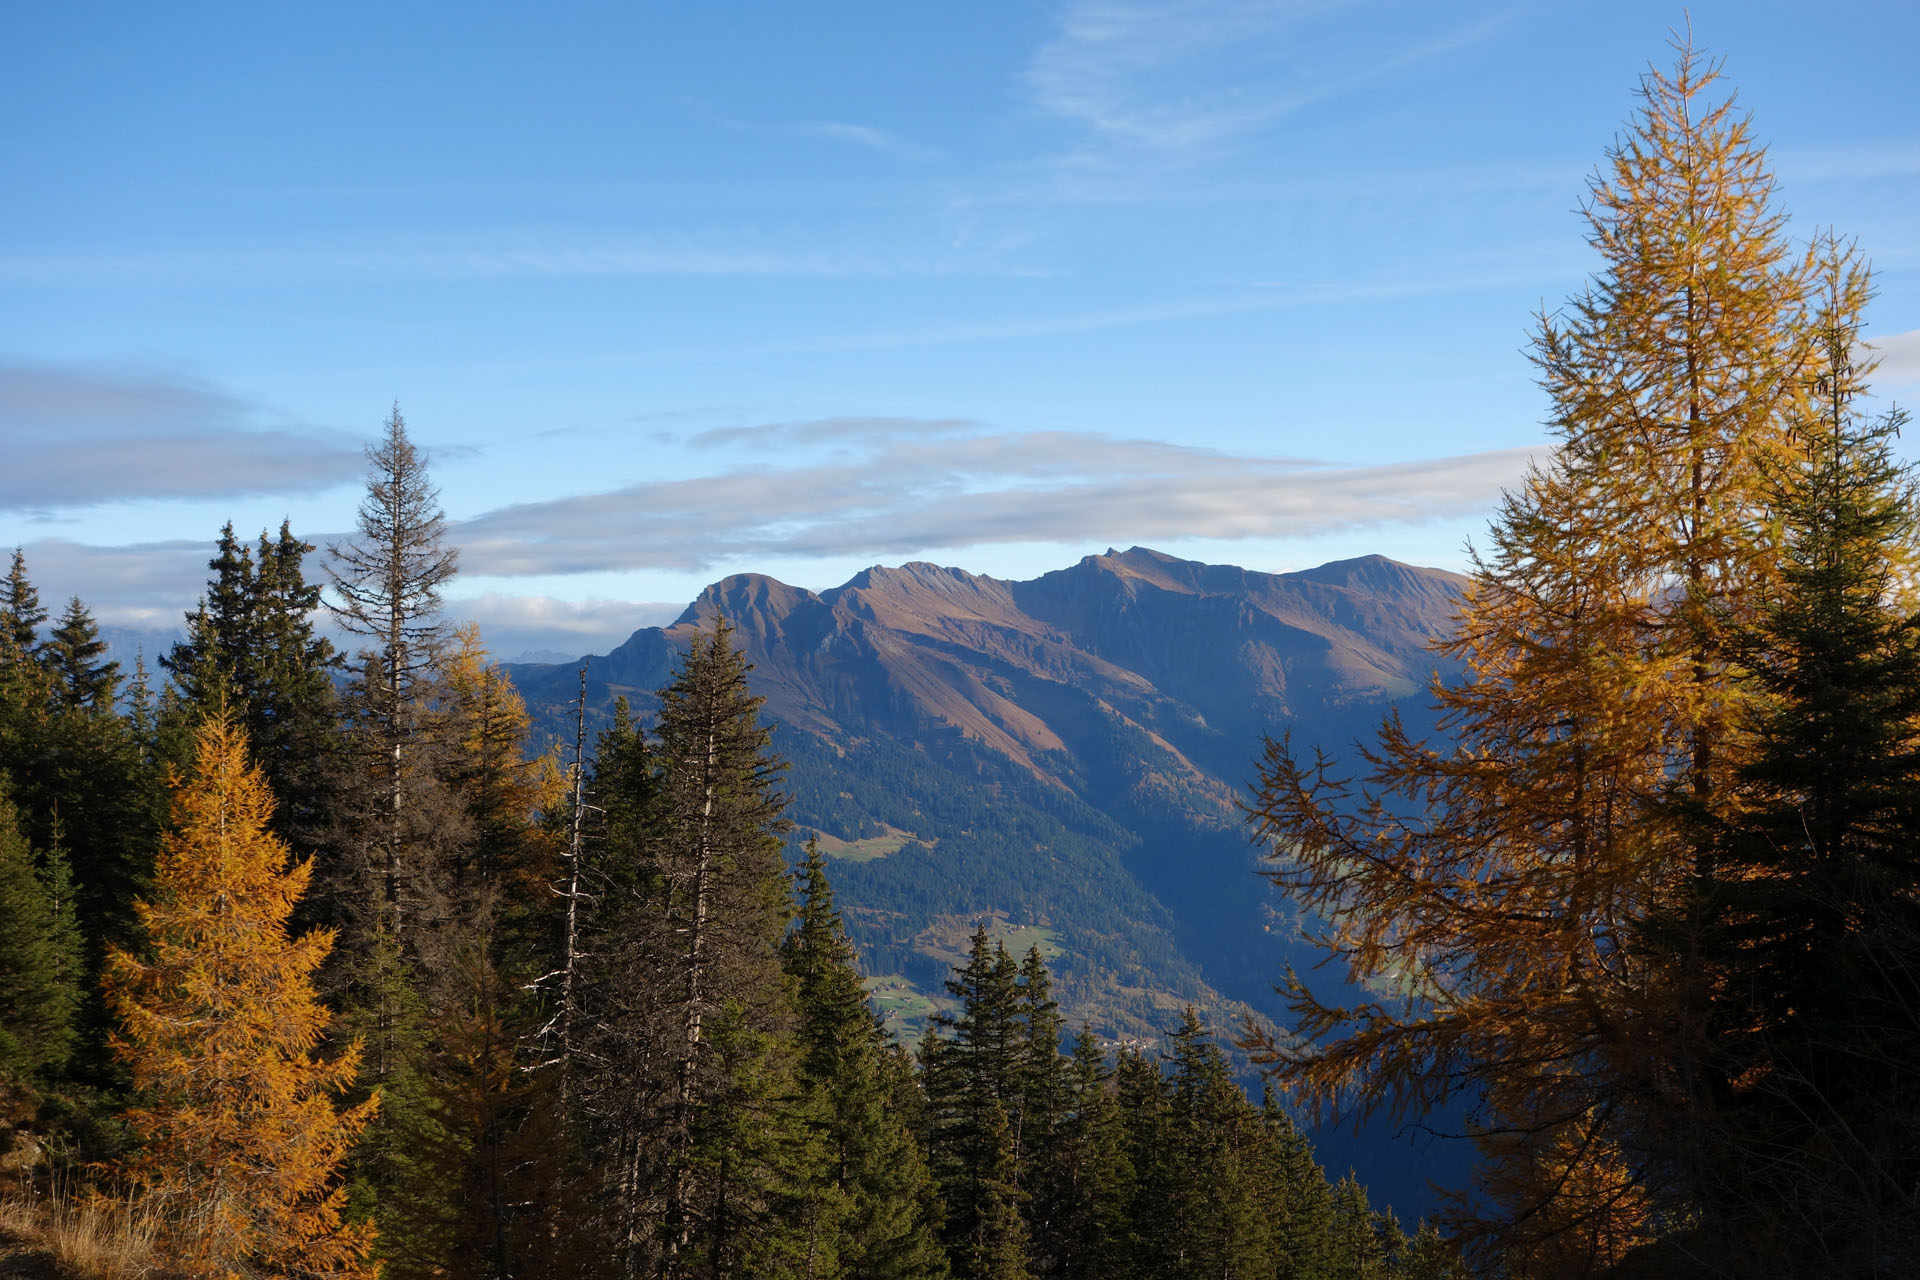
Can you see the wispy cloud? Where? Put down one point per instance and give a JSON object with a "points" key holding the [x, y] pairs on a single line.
{"points": [[1899, 355], [916, 488], [149, 584], [1184, 78], [513, 625], [1887, 160], [508, 256], [154, 584], [891, 488], [84, 436], [831, 431], [861, 135], [1261, 295]]}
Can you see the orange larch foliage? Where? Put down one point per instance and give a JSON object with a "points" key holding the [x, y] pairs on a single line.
{"points": [[487, 726], [240, 1139], [1487, 889]]}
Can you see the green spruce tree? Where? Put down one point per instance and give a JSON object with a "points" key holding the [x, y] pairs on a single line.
{"points": [[251, 647], [974, 1071], [1799, 1133], [1091, 1176], [40, 971], [687, 1013], [21, 614], [84, 678], [890, 1231], [1359, 1244], [995, 1246], [1298, 1197]]}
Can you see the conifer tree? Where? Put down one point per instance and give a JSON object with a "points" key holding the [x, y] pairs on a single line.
{"points": [[399, 830], [251, 646], [1210, 1170], [384, 1008], [87, 795], [609, 1061], [1802, 930], [1359, 1245], [40, 972], [241, 1140], [1299, 1199], [1494, 883], [21, 615], [893, 1214], [975, 1069], [26, 691], [691, 907], [292, 711], [765, 1199], [481, 1141], [1091, 1236], [1141, 1092], [481, 1194], [995, 1246], [388, 578], [510, 857], [214, 663], [82, 781], [593, 1039], [1043, 1085], [1428, 1255], [717, 856], [74, 654]]}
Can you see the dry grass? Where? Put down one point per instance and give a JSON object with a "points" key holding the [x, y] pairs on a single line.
{"points": [[87, 1238]]}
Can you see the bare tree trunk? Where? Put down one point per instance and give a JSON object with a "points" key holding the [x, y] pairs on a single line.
{"points": [[570, 960]]}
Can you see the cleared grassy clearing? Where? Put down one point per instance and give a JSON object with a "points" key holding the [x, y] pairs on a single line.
{"points": [[867, 850], [903, 1007]]}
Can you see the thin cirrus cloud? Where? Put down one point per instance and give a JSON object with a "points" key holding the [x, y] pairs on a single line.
{"points": [[901, 487], [498, 257], [80, 437], [1187, 77], [862, 135], [1871, 160], [833, 431]]}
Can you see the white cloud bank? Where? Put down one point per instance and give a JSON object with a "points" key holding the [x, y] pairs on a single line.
{"points": [[879, 488], [82, 437], [901, 487], [1899, 355]]}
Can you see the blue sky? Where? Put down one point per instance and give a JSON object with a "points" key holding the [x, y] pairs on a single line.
{"points": [[672, 291]]}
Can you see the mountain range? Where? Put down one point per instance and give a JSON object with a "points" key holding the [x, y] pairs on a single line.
{"points": [[1061, 758]]}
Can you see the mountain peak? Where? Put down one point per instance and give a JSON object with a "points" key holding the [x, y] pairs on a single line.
{"points": [[920, 589], [914, 573], [742, 596], [1379, 574]]}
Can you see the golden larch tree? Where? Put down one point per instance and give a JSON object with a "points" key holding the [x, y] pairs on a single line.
{"points": [[240, 1140], [1488, 888]]}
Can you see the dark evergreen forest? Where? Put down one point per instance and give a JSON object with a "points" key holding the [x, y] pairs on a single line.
{"points": [[561, 1012]]}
